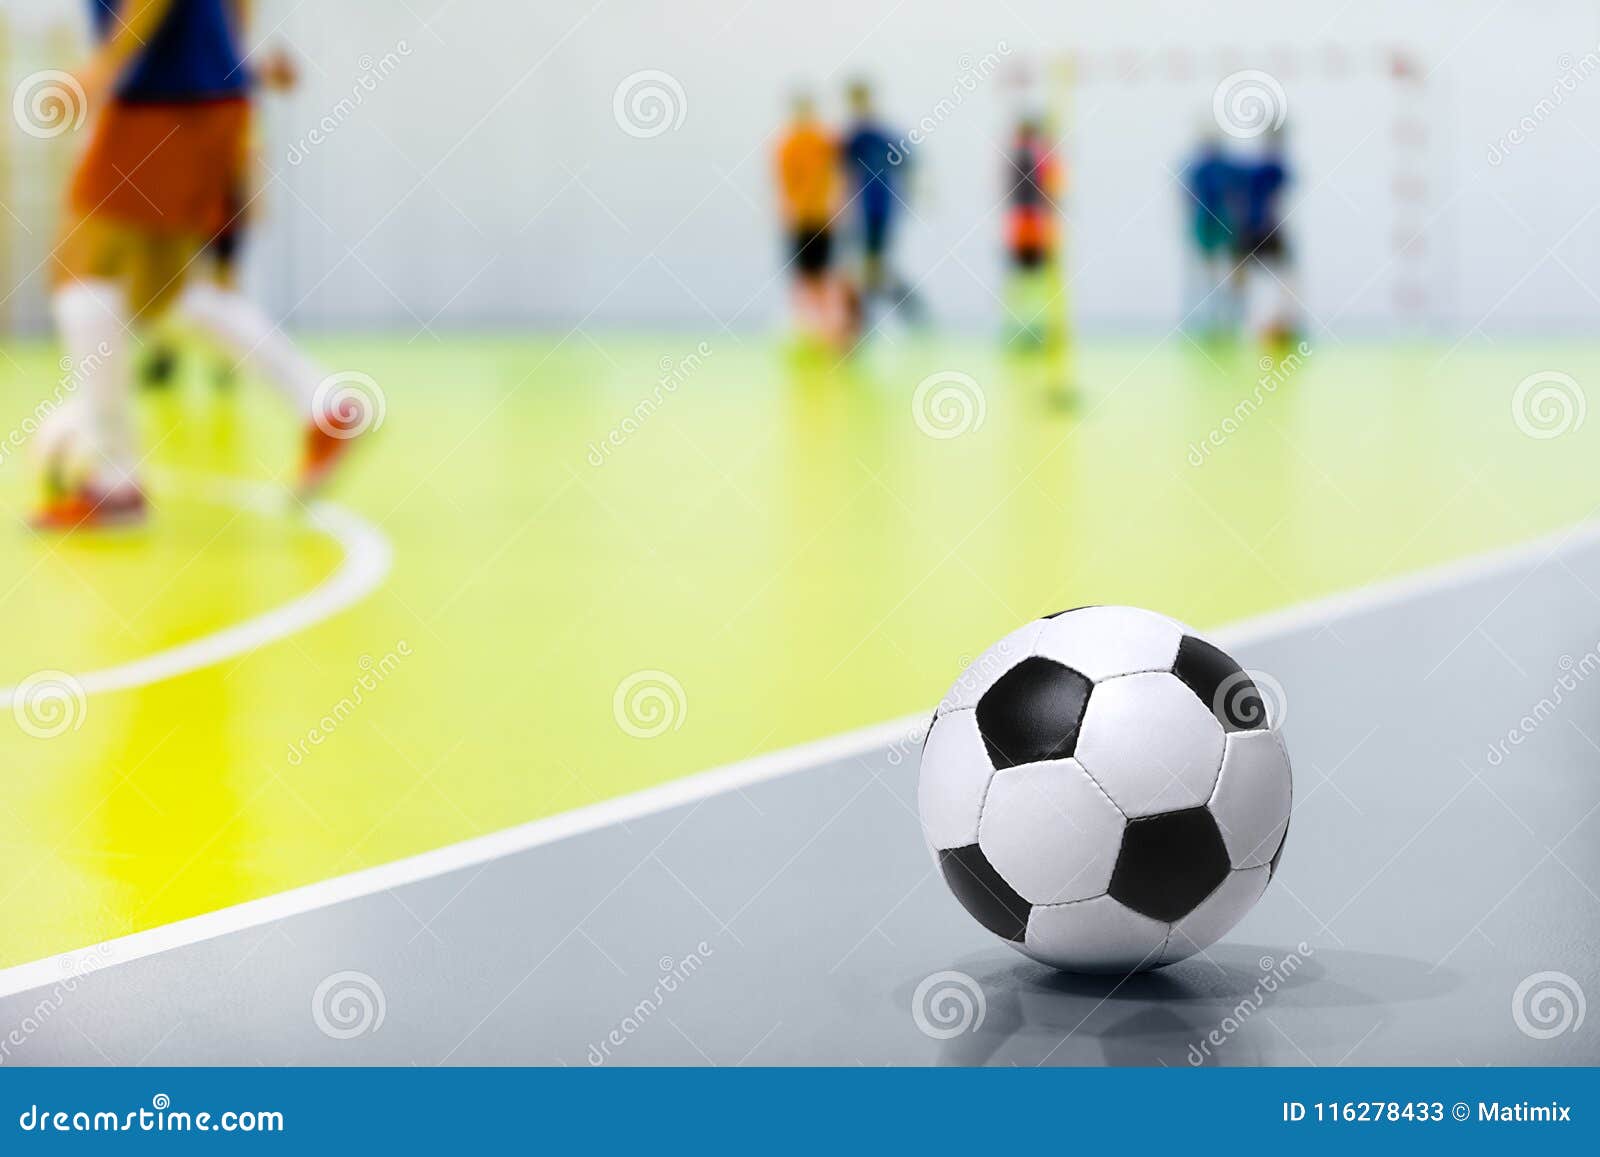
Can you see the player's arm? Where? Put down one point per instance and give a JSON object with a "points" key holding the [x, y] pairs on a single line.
{"points": [[136, 24], [275, 68]]}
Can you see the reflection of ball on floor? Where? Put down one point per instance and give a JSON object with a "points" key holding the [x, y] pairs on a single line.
{"points": [[1105, 790]]}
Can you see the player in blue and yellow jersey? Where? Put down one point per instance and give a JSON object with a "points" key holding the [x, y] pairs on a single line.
{"points": [[168, 98]]}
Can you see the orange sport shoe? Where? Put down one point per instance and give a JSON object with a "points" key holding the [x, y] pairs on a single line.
{"points": [[328, 439], [89, 508]]}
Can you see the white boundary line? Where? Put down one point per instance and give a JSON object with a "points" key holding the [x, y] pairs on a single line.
{"points": [[367, 558], [703, 785]]}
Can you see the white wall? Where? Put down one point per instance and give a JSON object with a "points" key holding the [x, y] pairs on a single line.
{"points": [[486, 181]]}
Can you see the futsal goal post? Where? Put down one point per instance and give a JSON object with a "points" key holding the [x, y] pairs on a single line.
{"points": [[1361, 124]]}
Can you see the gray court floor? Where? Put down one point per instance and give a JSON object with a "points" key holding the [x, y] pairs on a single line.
{"points": [[1438, 901]]}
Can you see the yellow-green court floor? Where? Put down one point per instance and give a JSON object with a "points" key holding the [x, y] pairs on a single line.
{"points": [[619, 560]]}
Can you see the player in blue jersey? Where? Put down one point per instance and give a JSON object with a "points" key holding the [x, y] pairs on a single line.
{"points": [[1261, 244], [1211, 185], [876, 167], [158, 181]]}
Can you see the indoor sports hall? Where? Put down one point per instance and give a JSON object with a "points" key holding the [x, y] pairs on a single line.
{"points": [[577, 719]]}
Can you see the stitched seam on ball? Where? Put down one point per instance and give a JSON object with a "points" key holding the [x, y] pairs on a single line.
{"points": [[1070, 903], [1087, 774], [1216, 776], [1167, 670], [1172, 926], [983, 800], [1033, 643]]}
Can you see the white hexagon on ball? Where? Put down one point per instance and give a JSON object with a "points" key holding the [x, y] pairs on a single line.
{"points": [[1150, 742], [1104, 642], [1050, 832]]}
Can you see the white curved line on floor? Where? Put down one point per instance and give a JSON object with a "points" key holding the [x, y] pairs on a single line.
{"points": [[367, 558]]}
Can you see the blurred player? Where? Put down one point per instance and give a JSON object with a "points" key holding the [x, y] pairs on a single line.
{"points": [[808, 189], [1033, 184], [220, 261], [158, 180], [875, 164], [1261, 246], [1212, 185]]}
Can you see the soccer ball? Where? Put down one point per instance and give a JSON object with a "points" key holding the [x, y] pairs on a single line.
{"points": [[1105, 790]]}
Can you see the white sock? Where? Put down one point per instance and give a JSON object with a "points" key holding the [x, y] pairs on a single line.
{"points": [[92, 319], [237, 324]]}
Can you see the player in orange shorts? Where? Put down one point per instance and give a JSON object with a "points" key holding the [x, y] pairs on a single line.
{"points": [[168, 95]]}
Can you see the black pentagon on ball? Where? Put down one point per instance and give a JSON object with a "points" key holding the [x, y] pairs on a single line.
{"points": [[1168, 863], [1033, 713], [984, 893], [1220, 684]]}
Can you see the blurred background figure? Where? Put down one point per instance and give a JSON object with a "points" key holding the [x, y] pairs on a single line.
{"points": [[1033, 184], [1212, 186], [1263, 256], [808, 191], [877, 167]]}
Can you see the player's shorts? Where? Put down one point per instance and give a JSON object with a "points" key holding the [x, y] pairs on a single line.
{"points": [[1262, 245], [813, 249], [1030, 235], [1029, 256], [875, 233], [167, 168]]}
